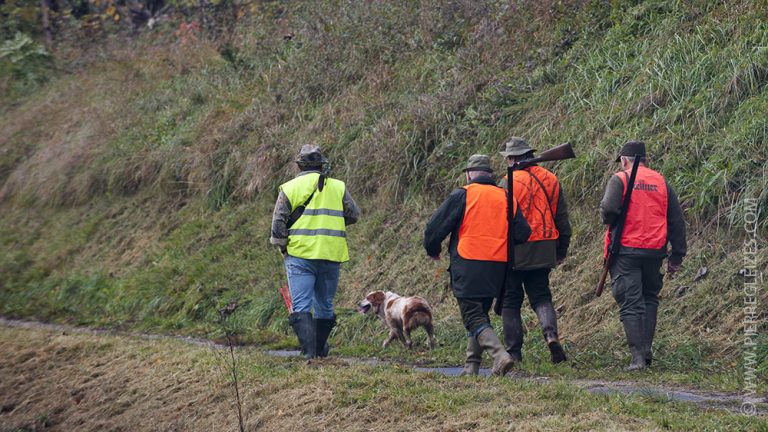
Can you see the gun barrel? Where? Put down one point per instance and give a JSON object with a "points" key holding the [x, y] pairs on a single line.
{"points": [[563, 151]]}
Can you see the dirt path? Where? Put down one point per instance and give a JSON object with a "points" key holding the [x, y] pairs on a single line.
{"points": [[705, 400]]}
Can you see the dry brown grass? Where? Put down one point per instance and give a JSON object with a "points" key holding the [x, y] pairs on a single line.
{"points": [[90, 383], [60, 132], [59, 381]]}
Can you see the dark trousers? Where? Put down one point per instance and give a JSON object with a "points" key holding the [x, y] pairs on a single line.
{"points": [[635, 282], [535, 283], [474, 313]]}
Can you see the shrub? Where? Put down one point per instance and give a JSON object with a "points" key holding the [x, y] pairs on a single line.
{"points": [[24, 64]]}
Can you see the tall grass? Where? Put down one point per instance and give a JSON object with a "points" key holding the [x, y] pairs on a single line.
{"points": [[138, 191]]}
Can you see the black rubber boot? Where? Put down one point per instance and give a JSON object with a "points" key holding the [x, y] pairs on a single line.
{"points": [[651, 311], [635, 331], [548, 321], [323, 328], [513, 333], [304, 327]]}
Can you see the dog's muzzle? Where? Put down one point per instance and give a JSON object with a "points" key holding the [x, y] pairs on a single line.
{"points": [[364, 307]]}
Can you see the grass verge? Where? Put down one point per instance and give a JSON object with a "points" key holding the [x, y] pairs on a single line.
{"points": [[96, 382]]}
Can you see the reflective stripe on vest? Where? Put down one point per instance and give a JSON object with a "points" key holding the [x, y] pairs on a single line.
{"points": [[646, 225], [537, 191], [483, 231], [320, 232]]}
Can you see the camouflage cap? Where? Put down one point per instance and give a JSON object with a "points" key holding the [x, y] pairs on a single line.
{"points": [[310, 155], [516, 146], [479, 162], [631, 149]]}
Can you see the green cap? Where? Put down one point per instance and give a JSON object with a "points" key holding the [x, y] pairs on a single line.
{"points": [[631, 149], [310, 155], [479, 162], [516, 146]]}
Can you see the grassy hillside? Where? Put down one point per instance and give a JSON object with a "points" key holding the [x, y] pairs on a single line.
{"points": [[136, 189]]}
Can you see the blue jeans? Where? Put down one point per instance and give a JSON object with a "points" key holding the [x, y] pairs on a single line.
{"points": [[313, 285]]}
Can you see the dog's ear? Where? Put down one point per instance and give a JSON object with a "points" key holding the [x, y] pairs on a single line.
{"points": [[376, 298]]}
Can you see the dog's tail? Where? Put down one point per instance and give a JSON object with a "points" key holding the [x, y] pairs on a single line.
{"points": [[419, 315]]}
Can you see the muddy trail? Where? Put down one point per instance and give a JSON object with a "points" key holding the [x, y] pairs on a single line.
{"points": [[705, 400]]}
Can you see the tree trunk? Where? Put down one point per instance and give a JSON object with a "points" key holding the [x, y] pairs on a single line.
{"points": [[45, 5]]}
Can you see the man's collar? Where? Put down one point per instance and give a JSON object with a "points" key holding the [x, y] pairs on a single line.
{"points": [[308, 172], [483, 180], [531, 165]]}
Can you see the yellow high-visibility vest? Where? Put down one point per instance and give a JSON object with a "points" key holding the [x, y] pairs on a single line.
{"points": [[320, 233]]}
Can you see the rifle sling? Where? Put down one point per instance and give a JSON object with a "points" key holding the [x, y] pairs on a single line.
{"points": [[615, 244], [296, 213]]}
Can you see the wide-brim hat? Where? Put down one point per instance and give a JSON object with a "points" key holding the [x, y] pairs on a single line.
{"points": [[479, 162], [310, 155], [516, 146], [631, 149]]}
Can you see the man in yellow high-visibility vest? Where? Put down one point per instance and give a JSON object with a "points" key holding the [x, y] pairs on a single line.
{"points": [[309, 226]]}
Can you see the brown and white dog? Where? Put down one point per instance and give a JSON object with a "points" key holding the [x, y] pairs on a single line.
{"points": [[401, 314]]}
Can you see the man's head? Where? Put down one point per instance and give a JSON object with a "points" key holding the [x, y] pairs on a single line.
{"points": [[629, 150], [478, 165], [310, 158], [515, 150]]}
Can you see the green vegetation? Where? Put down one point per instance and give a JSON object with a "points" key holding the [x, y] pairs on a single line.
{"points": [[101, 382], [136, 189], [24, 64]]}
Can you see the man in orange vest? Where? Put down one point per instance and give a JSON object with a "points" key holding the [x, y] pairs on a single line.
{"points": [[476, 217], [654, 218], [538, 192]]}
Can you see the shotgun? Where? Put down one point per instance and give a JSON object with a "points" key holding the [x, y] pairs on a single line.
{"points": [[324, 172], [561, 152], [616, 229]]}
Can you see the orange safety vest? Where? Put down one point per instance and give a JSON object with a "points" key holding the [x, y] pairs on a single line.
{"points": [[538, 192], [646, 224], [483, 232]]}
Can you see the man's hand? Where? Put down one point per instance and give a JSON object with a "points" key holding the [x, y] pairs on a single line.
{"points": [[673, 268], [284, 251]]}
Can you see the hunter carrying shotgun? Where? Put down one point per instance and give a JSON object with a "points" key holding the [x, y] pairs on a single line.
{"points": [[643, 214], [540, 198]]}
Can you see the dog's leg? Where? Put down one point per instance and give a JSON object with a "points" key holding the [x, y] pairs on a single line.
{"points": [[390, 338], [431, 333], [407, 338], [401, 337]]}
